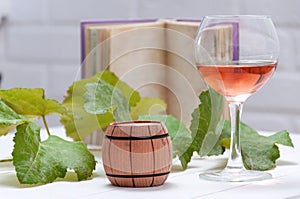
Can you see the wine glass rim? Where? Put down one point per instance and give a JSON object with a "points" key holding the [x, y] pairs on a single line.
{"points": [[237, 16]]}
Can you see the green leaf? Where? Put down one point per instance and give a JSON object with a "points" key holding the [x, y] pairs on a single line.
{"points": [[212, 135], [259, 152], [77, 89], [52, 106], [148, 106], [9, 119], [40, 162], [101, 97], [132, 96], [6, 128], [9, 116], [180, 135], [76, 118], [203, 125], [30, 102], [75, 122], [223, 139]]}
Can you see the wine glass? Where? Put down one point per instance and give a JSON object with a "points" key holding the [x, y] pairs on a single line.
{"points": [[236, 55]]}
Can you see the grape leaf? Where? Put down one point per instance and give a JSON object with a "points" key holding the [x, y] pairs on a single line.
{"points": [[9, 116], [52, 106], [259, 152], [75, 122], [77, 89], [148, 106], [30, 102], [180, 135], [203, 125], [132, 96], [76, 118], [40, 162], [9, 119], [6, 128], [212, 136], [101, 97]]}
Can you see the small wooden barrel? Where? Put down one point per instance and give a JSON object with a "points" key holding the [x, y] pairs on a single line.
{"points": [[137, 153]]}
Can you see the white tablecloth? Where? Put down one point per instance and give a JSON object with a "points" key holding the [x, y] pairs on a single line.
{"points": [[180, 184]]}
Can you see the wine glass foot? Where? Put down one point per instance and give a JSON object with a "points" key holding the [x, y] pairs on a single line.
{"points": [[235, 175]]}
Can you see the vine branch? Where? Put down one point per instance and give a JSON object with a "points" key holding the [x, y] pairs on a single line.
{"points": [[6, 160], [46, 125]]}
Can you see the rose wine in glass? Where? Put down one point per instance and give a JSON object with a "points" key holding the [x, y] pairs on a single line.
{"points": [[236, 55], [241, 79]]}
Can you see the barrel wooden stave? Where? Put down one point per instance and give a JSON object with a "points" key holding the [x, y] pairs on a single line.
{"points": [[142, 163]]}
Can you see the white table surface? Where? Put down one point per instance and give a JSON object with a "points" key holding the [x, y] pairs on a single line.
{"points": [[180, 184]]}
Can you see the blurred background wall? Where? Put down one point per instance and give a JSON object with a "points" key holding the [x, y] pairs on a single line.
{"points": [[40, 46]]}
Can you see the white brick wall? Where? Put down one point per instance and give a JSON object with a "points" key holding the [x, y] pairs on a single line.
{"points": [[284, 13], [70, 11], [39, 46], [60, 78], [22, 74], [186, 9], [43, 43], [2, 48], [287, 38], [29, 12]]}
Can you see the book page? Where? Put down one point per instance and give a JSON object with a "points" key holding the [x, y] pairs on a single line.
{"points": [[138, 57], [183, 77], [218, 41], [96, 49]]}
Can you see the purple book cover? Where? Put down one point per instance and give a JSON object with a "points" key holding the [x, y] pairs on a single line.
{"points": [[235, 39]]}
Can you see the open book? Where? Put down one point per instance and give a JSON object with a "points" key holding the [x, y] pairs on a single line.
{"points": [[155, 57]]}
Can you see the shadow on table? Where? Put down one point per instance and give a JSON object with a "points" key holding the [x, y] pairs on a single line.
{"points": [[215, 163], [9, 179], [201, 164], [166, 186], [285, 163]]}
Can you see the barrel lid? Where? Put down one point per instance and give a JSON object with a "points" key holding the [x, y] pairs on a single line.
{"points": [[138, 128]]}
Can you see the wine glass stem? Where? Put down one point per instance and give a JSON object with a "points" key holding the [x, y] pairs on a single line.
{"points": [[235, 161]]}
